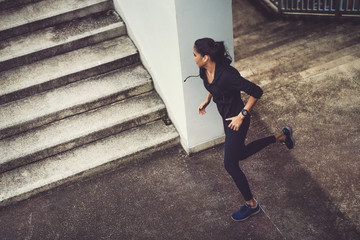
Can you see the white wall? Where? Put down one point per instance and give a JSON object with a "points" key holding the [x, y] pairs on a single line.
{"points": [[164, 32]]}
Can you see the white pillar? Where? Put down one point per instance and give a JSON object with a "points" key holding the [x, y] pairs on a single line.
{"points": [[164, 32]]}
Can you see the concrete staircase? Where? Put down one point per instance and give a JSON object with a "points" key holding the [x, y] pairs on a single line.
{"points": [[74, 98], [279, 53], [303, 65]]}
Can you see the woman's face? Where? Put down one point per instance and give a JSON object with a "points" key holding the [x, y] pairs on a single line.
{"points": [[199, 60]]}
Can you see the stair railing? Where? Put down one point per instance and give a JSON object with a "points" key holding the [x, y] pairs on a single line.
{"points": [[319, 7]]}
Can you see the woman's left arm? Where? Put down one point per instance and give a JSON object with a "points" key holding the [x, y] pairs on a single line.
{"points": [[250, 104], [236, 81], [237, 120]]}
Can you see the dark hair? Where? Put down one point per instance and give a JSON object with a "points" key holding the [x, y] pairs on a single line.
{"points": [[216, 50]]}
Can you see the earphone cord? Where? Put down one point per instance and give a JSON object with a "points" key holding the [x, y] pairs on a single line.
{"points": [[190, 77]]}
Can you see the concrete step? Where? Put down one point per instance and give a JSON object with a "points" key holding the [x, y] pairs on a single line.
{"points": [[318, 70], [246, 8], [6, 4], [34, 16], [308, 68], [59, 39], [100, 156], [256, 32], [306, 97], [78, 130], [327, 62], [274, 34], [271, 66], [60, 70], [81, 96]]}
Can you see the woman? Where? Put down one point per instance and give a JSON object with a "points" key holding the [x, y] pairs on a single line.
{"points": [[224, 83]]}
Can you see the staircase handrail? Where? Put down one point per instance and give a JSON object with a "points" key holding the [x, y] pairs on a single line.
{"points": [[339, 8]]}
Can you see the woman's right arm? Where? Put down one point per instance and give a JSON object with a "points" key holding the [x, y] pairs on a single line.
{"points": [[203, 105]]}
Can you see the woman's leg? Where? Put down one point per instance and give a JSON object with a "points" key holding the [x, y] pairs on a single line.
{"points": [[260, 144], [234, 148], [257, 146]]}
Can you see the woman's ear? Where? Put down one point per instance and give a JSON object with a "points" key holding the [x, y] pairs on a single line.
{"points": [[205, 58]]}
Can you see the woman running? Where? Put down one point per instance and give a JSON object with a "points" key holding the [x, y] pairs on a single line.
{"points": [[224, 83]]}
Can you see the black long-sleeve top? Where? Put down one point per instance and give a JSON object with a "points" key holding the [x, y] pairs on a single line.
{"points": [[226, 87]]}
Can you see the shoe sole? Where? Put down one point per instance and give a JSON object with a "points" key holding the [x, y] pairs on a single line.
{"points": [[291, 136], [240, 220]]}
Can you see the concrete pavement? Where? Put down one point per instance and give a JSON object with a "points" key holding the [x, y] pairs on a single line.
{"points": [[174, 196]]}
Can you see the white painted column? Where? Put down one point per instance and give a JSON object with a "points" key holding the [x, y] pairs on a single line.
{"points": [[164, 32]]}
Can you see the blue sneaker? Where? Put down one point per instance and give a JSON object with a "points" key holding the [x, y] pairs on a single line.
{"points": [[289, 140], [245, 212]]}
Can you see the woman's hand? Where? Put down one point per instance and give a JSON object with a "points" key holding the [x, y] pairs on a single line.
{"points": [[235, 122], [203, 105]]}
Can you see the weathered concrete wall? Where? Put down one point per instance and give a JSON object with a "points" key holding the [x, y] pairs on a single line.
{"points": [[164, 32]]}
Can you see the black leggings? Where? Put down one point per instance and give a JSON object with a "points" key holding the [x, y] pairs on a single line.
{"points": [[235, 151]]}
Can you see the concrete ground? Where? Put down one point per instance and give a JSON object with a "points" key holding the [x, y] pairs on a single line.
{"points": [[310, 192], [173, 196]]}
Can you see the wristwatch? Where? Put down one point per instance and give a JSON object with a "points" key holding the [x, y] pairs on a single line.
{"points": [[244, 112]]}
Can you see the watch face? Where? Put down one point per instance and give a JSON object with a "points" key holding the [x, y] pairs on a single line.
{"points": [[244, 112]]}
